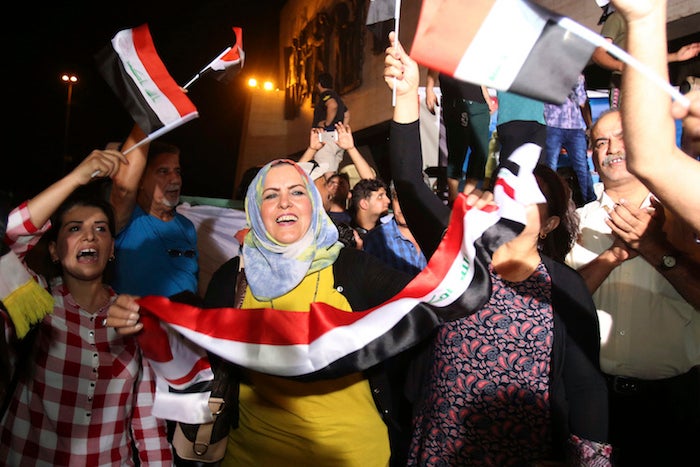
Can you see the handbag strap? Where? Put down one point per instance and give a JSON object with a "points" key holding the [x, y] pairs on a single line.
{"points": [[204, 432], [241, 284]]}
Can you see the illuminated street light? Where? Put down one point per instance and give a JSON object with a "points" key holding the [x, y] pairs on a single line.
{"points": [[266, 85], [70, 79]]}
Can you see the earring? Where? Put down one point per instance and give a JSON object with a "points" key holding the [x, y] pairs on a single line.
{"points": [[111, 258], [543, 235], [55, 261]]}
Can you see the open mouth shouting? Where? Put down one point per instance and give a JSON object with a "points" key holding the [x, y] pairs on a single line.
{"points": [[87, 255]]}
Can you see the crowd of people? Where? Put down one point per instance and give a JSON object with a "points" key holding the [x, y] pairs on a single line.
{"points": [[584, 351]]}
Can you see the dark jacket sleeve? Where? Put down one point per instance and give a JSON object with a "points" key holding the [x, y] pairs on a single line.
{"points": [[579, 395], [574, 304], [426, 215]]}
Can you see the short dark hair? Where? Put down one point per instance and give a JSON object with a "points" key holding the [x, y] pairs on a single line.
{"points": [[364, 188], [325, 80], [161, 147], [81, 197]]}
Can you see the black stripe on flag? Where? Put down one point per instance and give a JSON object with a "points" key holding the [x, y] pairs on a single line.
{"points": [[113, 72], [553, 65]]}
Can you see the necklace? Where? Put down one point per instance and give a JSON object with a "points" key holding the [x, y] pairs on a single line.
{"points": [[318, 280]]}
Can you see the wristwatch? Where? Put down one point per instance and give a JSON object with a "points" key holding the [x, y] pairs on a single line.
{"points": [[668, 262]]}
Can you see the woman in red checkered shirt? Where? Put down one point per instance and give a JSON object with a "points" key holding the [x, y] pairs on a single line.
{"points": [[86, 395]]}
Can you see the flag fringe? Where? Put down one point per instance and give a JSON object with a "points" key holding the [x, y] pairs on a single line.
{"points": [[27, 305]]}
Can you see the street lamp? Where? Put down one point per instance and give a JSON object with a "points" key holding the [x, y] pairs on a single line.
{"points": [[69, 79]]}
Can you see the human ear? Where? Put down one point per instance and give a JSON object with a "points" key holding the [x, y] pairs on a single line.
{"points": [[550, 224]]}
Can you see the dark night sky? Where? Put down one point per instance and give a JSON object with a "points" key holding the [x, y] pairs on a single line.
{"points": [[43, 42]]}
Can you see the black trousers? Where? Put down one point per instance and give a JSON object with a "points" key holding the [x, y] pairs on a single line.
{"points": [[655, 422]]}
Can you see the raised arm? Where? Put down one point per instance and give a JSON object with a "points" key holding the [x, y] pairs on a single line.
{"points": [[314, 145], [426, 214], [431, 100], [99, 163], [347, 142], [125, 182], [649, 129], [602, 58]]}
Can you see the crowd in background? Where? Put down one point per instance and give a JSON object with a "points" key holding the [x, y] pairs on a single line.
{"points": [[585, 349]]}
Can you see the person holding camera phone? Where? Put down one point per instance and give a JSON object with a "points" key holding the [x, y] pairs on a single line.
{"points": [[329, 110]]}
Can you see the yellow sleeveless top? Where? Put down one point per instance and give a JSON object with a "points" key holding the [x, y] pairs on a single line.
{"points": [[289, 423]]}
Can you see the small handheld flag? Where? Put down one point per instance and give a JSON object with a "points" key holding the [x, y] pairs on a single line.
{"points": [[378, 13], [132, 68], [512, 45], [227, 64]]}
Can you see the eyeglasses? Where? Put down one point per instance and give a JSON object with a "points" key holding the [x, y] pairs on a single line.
{"points": [[174, 253]]}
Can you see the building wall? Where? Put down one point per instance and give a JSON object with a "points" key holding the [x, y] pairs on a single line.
{"points": [[267, 134]]}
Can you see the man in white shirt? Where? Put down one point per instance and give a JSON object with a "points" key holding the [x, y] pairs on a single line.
{"points": [[643, 268]]}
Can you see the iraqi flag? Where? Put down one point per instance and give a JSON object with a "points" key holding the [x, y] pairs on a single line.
{"points": [[227, 64], [381, 19], [325, 342], [132, 68], [233, 58], [509, 45]]}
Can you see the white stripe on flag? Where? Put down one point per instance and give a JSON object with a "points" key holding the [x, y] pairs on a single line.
{"points": [[509, 45], [501, 45], [168, 114]]}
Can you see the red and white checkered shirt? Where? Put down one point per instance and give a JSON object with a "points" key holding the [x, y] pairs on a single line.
{"points": [[87, 393]]}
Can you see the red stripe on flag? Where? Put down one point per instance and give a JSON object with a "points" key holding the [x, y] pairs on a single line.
{"points": [[429, 44], [156, 345], [507, 189], [146, 51], [201, 365], [234, 52]]}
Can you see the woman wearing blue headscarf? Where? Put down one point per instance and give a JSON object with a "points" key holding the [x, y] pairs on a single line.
{"points": [[293, 258]]}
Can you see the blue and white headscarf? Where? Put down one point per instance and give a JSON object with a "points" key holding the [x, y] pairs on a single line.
{"points": [[272, 268]]}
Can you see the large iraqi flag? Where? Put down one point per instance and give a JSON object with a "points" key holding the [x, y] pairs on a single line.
{"points": [[131, 66], [509, 45], [325, 342]]}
